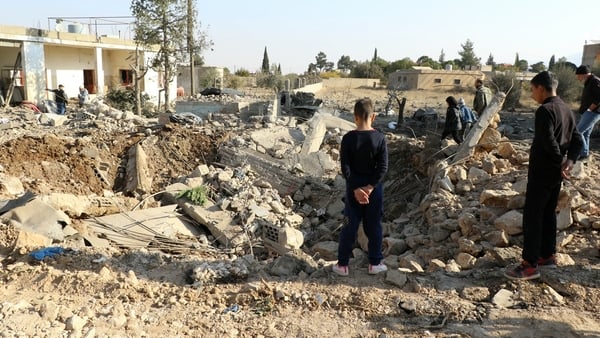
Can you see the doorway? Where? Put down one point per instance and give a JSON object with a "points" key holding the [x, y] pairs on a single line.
{"points": [[89, 80]]}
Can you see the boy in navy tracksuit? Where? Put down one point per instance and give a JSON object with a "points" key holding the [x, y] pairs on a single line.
{"points": [[364, 160]]}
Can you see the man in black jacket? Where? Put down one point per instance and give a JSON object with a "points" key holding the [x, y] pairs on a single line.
{"points": [[555, 148], [61, 99], [589, 108]]}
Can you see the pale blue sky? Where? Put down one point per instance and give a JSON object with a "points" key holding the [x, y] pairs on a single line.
{"points": [[294, 32]]}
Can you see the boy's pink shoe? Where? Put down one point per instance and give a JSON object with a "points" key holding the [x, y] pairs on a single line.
{"points": [[375, 269], [341, 270]]}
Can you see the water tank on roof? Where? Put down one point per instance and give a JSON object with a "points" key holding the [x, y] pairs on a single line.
{"points": [[448, 67], [75, 28]]}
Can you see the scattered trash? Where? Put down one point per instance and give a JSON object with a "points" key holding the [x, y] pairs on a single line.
{"points": [[233, 308], [46, 252], [100, 260], [392, 125]]}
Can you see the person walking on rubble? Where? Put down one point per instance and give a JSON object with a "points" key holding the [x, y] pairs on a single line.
{"points": [[589, 108], [364, 162], [61, 99], [556, 145], [467, 117], [483, 97], [83, 96], [453, 125]]}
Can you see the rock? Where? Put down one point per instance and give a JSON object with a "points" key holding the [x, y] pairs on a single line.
{"points": [[28, 239], [10, 185], [511, 222], [555, 295], [490, 139], [49, 311], [285, 266], [446, 184], [564, 219], [520, 186], [396, 277], [435, 265], [563, 238], [466, 220], [468, 246], [506, 150], [503, 298], [497, 238], [582, 219], [465, 261], [290, 238], [394, 246], [75, 323], [497, 198], [477, 175], [200, 171], [327, 250], [411, 262], [489, 166], [452, 266]]}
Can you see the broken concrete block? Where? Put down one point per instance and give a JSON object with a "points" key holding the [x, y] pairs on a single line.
{"points": [[490, 139], [138, 177], [506, 150], [511, 222], [290, 238], [71, 204], [466, 221], [497, 238], [477, 175], [497, 198], [396, 277], [39, 217], [468, 246], [564, 219], [394, 246], [411, 262], [582, 219], [435, 265], [10, 185], [489, 166], [465, 260], [327, 250], [28, 239], [503, 298]]}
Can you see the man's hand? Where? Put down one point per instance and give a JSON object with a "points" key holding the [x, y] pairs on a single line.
{"points": [[566, 169], [361, 195]]}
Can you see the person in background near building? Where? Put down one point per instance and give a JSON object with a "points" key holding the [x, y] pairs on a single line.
{"points": [[453, 124], [83, 96], [61, 99], [589, 108], [556, 145], [483, 96], [364, 161], [467, 117]]}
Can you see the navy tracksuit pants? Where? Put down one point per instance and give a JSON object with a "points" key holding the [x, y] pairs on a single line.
{"points": [[371, 215]]}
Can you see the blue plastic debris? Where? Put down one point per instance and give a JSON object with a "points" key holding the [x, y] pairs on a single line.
{"points": [[233, 308], [46, 252]]}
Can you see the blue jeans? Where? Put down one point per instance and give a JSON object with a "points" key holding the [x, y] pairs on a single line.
{"points": [[585, 127], [370, 215], [61, 108]]}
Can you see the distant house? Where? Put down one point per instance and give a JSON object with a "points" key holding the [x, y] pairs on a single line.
{"points": [[45, 59], [591, 53], [428, 78]]}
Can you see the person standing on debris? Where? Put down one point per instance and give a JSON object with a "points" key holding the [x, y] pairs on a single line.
{"points": [[483, 96], [467, 117], [61, 99], [83, 96], [364, 162], [556, 145], [453, 124], [589, 108]]}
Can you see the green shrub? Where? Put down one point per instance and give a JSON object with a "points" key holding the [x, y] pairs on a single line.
{"points": [[569, 88], [124, 99], [196, 195], [503, 83]]}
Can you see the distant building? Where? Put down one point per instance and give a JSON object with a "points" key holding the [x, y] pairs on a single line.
{"points": [[427, 78], [47, 58], [591, 53]]}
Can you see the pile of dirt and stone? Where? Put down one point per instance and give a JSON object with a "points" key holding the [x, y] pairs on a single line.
{"points": [[115, 225]]}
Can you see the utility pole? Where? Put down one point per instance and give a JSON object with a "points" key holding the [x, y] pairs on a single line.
{"points": [[190, 31]]}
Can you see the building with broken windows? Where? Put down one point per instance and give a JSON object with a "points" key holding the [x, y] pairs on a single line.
{"points": [[33, 59], [591, 53]]}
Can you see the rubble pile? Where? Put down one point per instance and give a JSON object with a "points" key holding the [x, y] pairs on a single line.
{"points": [[107, 187]]}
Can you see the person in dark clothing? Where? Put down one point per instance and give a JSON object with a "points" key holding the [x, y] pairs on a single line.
{"points": [[589, 108], [61, 99], [453, 125], [364, 161], [556, 145]]}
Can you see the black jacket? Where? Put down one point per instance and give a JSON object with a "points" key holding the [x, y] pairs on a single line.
{"points": [[59, 95], [452, 119], [590, 94], [555, 136]]}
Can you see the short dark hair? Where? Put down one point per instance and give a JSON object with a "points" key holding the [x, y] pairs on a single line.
{"points": [[545, 79], [479, 81], [582, 70], [451, 101], [363, 108]]}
